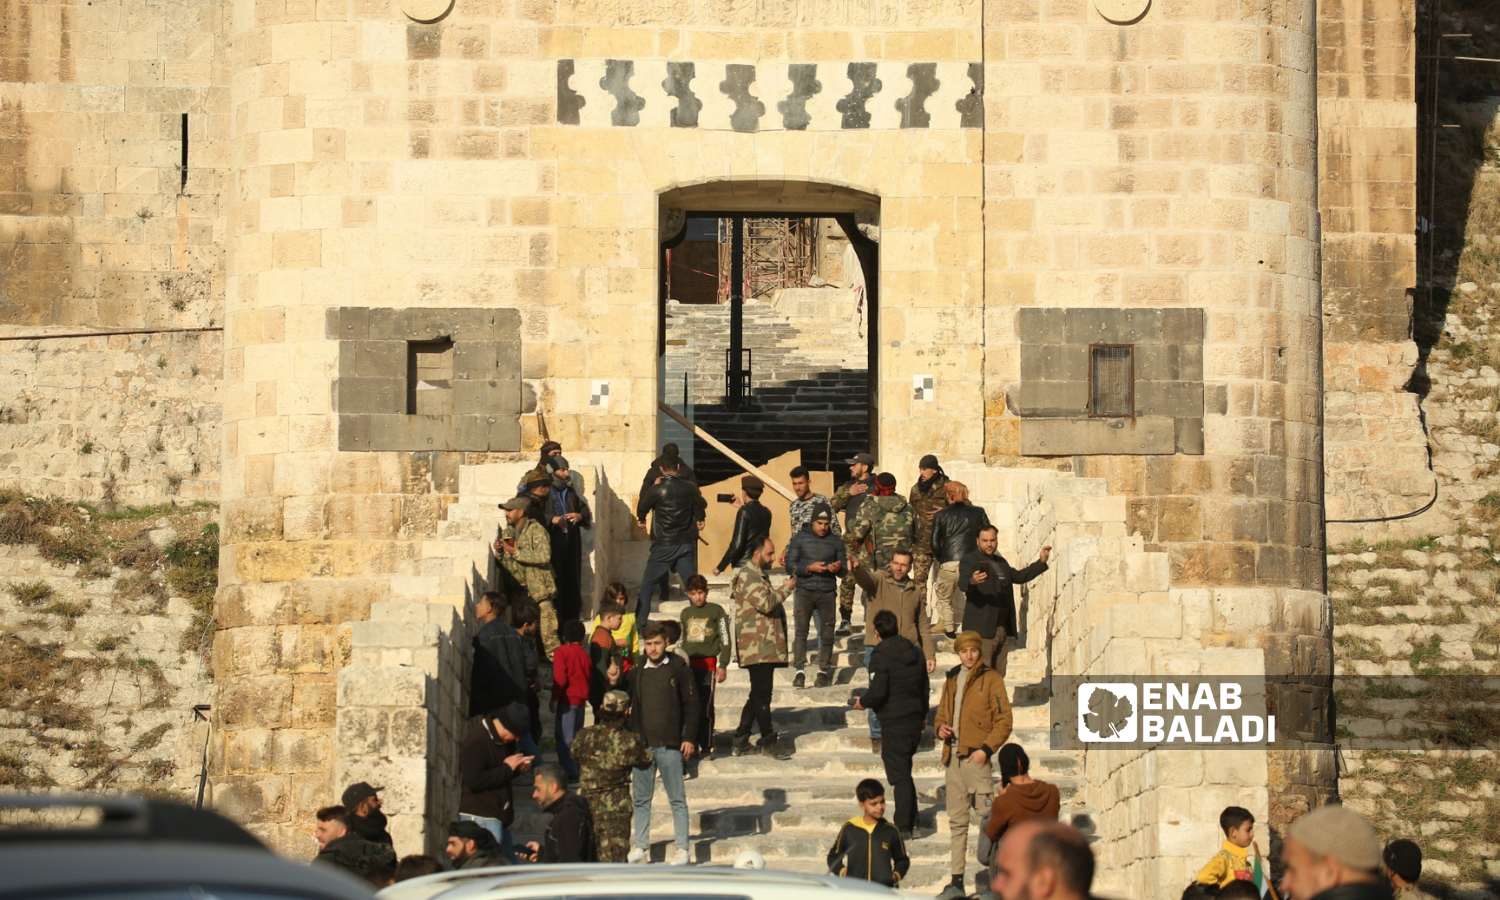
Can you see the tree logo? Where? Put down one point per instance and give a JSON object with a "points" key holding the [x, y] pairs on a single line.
{"points": [[1107, 712]]}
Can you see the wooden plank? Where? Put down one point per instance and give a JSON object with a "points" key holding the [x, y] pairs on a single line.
{"points": [[723, 448]]}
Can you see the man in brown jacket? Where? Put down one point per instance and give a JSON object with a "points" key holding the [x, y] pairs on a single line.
{"points": [[973, 721], [893, 590]]}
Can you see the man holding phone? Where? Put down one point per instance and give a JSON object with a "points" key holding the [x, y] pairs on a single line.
{"points": [[988, 581], [488, 761]]}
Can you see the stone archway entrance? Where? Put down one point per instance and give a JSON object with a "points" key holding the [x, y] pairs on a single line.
{"points": [[767, 321]]}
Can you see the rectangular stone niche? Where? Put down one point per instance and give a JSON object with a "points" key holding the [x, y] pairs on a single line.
{"points": [[1111, 381], [427, 379]]}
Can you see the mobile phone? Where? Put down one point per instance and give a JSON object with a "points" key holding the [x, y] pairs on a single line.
{"points": [[724, 498]]}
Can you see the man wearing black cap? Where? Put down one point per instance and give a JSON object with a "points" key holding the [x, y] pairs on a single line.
{"points": [[488, 762], [566, 514], [654, 474], [470, 846], [847, 499], [816, 557], [927, 496], [677, 513], [341, 847], [362, 808]]}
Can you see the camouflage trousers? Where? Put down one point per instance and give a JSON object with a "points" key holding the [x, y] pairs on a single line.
{"points": [[548, 625], [921, 569], [846, 584], [612, 810]]}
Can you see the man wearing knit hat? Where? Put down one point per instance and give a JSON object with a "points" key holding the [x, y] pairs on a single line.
{"points": [[926, 497], [1332, 853], [973, 721]]}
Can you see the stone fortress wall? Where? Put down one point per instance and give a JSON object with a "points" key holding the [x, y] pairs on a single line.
{"points": [[516, 156]]}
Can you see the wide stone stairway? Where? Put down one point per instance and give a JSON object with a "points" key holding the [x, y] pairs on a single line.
{"points": [[790, 810]]}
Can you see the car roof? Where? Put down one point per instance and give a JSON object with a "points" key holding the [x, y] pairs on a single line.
{"points": [[137, 844], [81, 867], [659, 880]]}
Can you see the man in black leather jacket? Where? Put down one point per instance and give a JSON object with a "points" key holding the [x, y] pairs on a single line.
{"points": [[988, 583], [954, 530], [677, 513], [752, 525]]}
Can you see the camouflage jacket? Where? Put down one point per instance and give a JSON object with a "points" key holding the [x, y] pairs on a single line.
{"points": [[531, 566], [606, 753], [759, 617], [886, 522], [800, 512], [849, 505], [925, 505]]}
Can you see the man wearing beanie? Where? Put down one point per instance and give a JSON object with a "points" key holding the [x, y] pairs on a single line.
{"points": [[927, 496], [1332, 853], [489, 759], [973, 721], [1403, 866]]}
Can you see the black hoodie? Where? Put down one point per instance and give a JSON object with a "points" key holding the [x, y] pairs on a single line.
{"points": [[869, 852], [898, 690], [371, 827]]}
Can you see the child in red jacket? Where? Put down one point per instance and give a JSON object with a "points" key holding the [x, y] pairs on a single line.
{"points": [[571, 671]]}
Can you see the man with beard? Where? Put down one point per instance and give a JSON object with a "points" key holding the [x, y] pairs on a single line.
{"points": [[760, 627], [848, 499], [955, 529], [927, 496], [566, 514], [988, 581], [1332, 853], [677, 512], [340, 847], [1040, 860], [570, 830], [362, 808], [470, 846]]}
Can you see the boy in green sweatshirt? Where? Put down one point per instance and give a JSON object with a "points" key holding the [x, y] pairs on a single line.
{"points": [[705, 640]]}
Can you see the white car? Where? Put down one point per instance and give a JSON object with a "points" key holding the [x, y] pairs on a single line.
{"points": [[625, 882]]}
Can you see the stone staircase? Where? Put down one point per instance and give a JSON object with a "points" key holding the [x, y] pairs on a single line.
{"points": [[789, 810], [809, 388]]}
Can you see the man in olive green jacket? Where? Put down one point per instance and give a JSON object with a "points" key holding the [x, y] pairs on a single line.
{"points": [[760, 631]]}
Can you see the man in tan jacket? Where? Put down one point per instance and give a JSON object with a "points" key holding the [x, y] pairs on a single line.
{"points": [[895, 591], [973, 721]]}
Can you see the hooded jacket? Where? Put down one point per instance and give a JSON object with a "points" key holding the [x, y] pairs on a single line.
{"points": [[898, 690], [371, 828], [485, 779], [1019, 802], [869, 852]]}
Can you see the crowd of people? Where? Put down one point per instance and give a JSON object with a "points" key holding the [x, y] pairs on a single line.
{"points": [[925, 565]]}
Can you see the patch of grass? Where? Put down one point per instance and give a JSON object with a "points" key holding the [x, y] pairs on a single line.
{"points": [[139, 554], [67, 547], [1425, 655], [69, 612], [109, 643], [159, 770], [149, 739], [142, 587], [36, 679], [193, 572], [30, 593], [86, 448]]}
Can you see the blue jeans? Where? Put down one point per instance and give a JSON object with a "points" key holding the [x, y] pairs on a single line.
{"points": [[495, 827], [870, 714], [667, 761], [660, 564], [569, 722]]}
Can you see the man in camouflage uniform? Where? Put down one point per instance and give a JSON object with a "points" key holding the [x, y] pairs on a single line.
{"points": [[884, 521], [525, 552], [848, 498], [760, 639], [606, 753], [927, 497]]}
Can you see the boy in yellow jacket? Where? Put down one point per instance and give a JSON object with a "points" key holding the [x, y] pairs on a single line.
{"points": [[1232, 862]]}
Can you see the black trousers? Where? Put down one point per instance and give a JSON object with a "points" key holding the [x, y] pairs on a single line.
{"points": [[704, 682], [897, 748], [757, 711]]}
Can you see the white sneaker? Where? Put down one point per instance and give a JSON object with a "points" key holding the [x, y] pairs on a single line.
{"points": [[681, 858], [636, 855]]}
